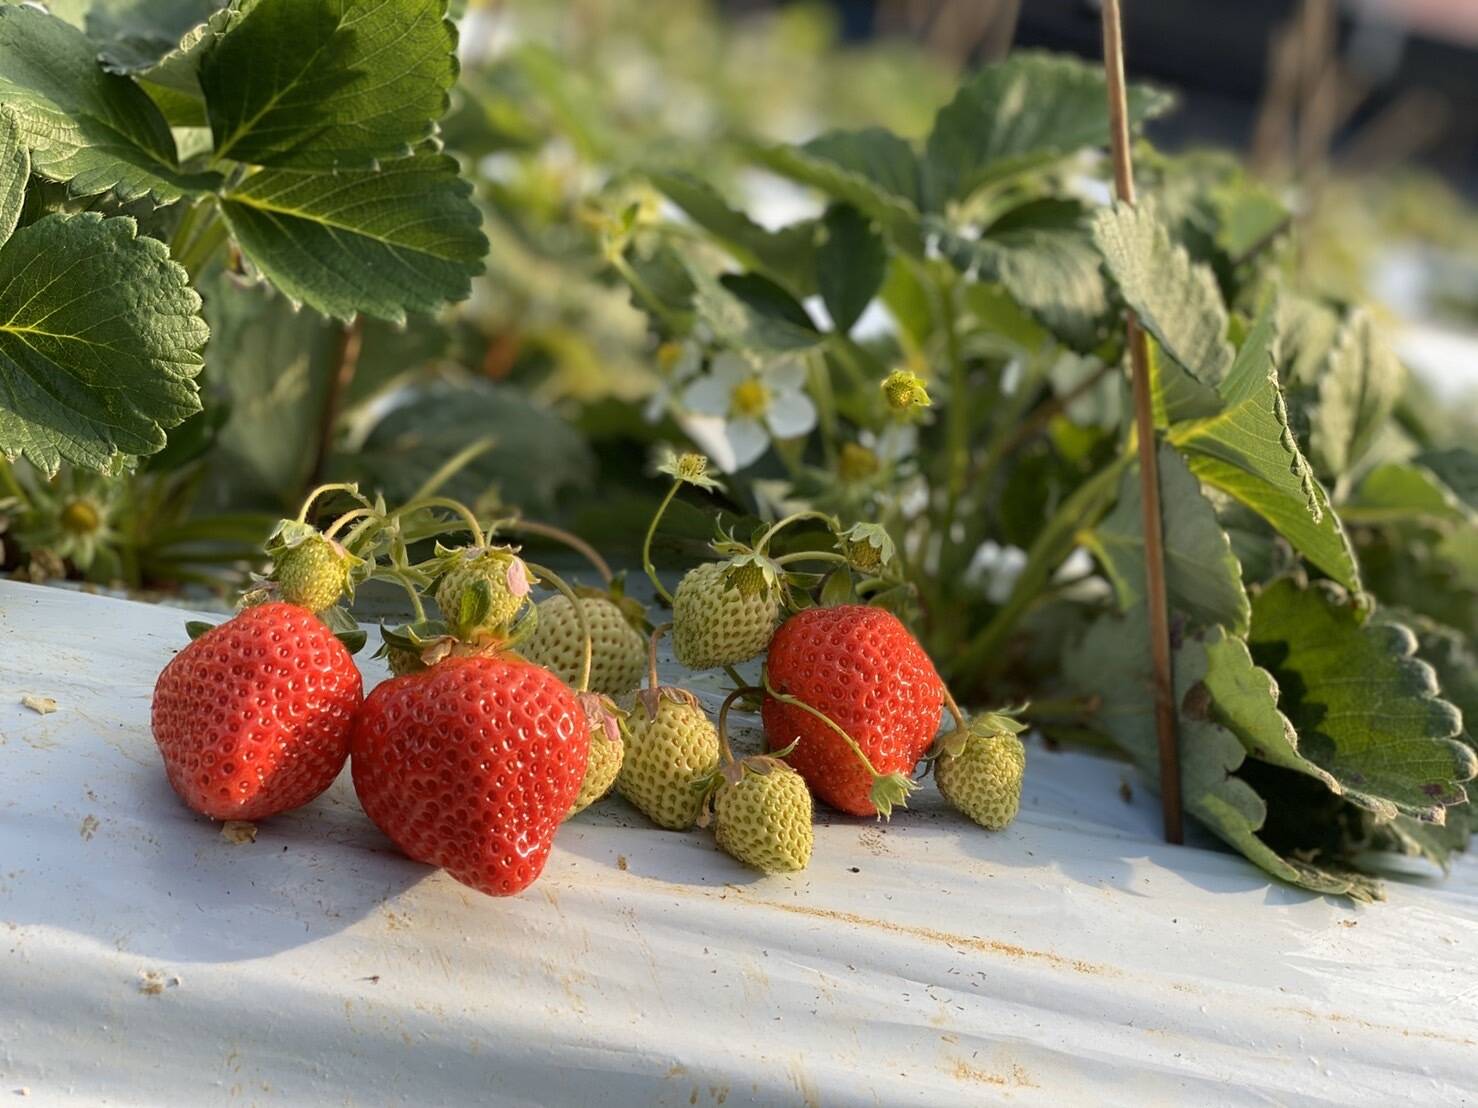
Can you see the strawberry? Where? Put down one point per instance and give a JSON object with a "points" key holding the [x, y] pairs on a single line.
{"points": [[309, 568], [979, 769], [481, 589], [860, 698], [762, 814], [723, 614], [606, 750], [619, 650], [671, 746], [471, 766], [253, 717]]}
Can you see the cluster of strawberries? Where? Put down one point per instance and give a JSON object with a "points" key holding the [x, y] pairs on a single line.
{"points": [[505, 717]]}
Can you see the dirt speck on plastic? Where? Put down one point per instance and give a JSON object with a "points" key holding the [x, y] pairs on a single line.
{"points": [[41, 705], [239, 831]]}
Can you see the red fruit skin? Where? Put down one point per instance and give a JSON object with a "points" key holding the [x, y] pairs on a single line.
{"points": [[471, 766], [253, 718], [863, 668]]}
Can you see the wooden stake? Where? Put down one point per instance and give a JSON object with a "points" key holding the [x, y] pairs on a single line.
{"points": [[1149, 476]]}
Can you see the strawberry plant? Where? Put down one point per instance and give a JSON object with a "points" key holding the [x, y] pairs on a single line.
{"points": [[992, 414], [150, 154]]}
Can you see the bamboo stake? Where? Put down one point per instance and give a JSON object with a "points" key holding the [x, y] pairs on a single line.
{"points": [[1149, 477]]}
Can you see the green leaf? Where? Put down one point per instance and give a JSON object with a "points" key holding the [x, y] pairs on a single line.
{"points": [[404, 238], [1052, 272], [273, 365], [1244, 699], [1248, 215], [15, 167], [787, 255], [1457, 469], [1176, 300], [1249, 452], [94, 130], [328, 84], [132, 35], [850, 265], [749, 316], [1019, 114], [1359, 387], [1401, 491], [100, 339], [536, 454], [1366, 710], [1202, 577], [1111, 662], [874, 170]]}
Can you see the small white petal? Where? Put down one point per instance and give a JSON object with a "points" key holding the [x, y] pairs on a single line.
{"points": [[788, 373], [707, 433], [731, 368], [792, 414], [747, 439], [689, 362], [708, 395]]}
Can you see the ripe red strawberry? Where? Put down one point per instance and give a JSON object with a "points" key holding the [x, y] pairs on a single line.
{"points": [[471, 766], [860, 667], [253, 717]]}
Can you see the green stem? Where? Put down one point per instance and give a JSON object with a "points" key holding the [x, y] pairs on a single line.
{"points": [[957, 428], [650, 299], [657, 633], [478, 538], [449, 468], [723, 720], [569, 594], [410, 589], [797, 702], [646, 546], [333, 486], [735, 676], [954, 710], [212, 234], [1087, 502], [11, 485], [796, 517], [811, 556], [347, 517], [574, 542]]}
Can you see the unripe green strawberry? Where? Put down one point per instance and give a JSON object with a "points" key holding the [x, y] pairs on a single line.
{"points": [[463, 572], [714, 623], [618, 650], [671, 748], [607, 750], [402, 661], [980, 772], [314, 573], [762, 815]]}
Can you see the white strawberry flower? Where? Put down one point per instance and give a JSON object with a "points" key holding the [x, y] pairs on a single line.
{"points": [[739, 406]]}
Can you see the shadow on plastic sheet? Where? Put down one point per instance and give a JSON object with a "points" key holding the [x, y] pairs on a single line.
{"points": [[148, 877]]}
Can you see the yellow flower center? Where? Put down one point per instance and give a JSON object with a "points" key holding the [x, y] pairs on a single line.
{"points": [[751, 399], [80, 517]]}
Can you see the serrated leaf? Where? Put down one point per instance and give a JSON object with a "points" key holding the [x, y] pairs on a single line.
{"points": [[1022, 113], [873, 170], [1249, 452], [1307, 331], [1402, 491], [132, 35], [1366, 710], [93, 130], [406, 238], [1177, 300], [100, 339], [1111, 662], [173, 81], [1248, 215], [1054, 273], [1244, 699], [1359, 387], [328, 84], [787, 255], [850, 264], [15, 167], [747, 316], [1202, 577]]}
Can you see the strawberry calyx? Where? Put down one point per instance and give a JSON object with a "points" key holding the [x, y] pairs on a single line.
{"points": [[602, 715]]}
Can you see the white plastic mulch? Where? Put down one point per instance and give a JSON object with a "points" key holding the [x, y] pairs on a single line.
{"points": [[147, 960]]}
